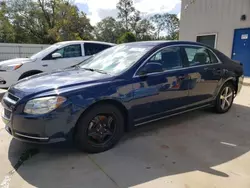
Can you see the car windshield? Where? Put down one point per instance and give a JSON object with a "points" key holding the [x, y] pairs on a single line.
{"points": [[45, 51], [115, 59]]}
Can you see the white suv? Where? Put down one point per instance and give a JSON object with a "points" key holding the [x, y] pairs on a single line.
{"points": [[58, 56]]}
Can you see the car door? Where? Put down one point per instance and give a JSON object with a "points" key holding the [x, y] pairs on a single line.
{"points": [[159, 92], [69, 55], [205, 72]]}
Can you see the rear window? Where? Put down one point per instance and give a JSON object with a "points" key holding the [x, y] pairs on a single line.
{"points": [[94, 48]]}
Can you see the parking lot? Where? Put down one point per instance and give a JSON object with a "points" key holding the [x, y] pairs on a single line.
{"points": [[198, 149]]}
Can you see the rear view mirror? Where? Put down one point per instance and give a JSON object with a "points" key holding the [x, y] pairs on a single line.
{"points": [[151, 67], [56, 55]]}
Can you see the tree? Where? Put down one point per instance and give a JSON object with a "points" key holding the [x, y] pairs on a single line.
{"points": [[172, 26], [127, 37], [47, 21], [108, 30], [166, 23], [134, 22], [6, 29], [50, 21], [159, 23], [144, 30], [125, 11], [71, 24]]}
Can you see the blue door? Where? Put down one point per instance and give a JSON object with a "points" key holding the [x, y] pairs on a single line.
{"points": [[159, 92], [205, 73], [241, 48]]}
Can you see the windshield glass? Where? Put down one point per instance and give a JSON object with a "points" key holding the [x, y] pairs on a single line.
{"points": [[45, 51], [116, 59]]}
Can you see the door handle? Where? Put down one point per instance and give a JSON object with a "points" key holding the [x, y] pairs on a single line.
{"points": [[45, 65]]}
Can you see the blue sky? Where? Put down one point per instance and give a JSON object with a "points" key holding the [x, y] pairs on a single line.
{"points": [[99, 9]]}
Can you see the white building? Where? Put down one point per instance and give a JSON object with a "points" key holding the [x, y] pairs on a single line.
{"points": [[223, 24]]}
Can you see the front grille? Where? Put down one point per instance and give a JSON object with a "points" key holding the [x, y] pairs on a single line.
{"points": [[9, 101], [12, 97]]}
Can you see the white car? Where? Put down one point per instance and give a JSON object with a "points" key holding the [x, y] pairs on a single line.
{"points": [[58, 56]]}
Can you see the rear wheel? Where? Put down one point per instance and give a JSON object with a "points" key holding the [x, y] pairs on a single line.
{"points": [[99, 129], [225, 98]]}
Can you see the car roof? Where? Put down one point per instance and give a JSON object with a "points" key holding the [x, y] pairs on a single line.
{"points": [[83, 41], [164, 43], [147, 43]]}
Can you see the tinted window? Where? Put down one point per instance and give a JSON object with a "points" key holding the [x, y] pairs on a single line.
{"points": [[199, 56], [170, 58], [93, 48], [67, 52]]}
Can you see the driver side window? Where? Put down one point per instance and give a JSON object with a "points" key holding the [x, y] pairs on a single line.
{"points": [[168, 58]]}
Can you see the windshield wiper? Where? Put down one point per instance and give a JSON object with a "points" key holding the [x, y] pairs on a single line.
{"points": [[96, 70]]}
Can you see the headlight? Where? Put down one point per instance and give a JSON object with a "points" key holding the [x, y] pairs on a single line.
{"points": [[10, 67], [43, 105]]}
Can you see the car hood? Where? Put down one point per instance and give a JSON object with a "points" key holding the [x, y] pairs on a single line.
{"points": [[15, 61], [56, 80]]}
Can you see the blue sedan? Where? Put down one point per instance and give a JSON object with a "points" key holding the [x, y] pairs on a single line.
{"points": [[125, 86]]}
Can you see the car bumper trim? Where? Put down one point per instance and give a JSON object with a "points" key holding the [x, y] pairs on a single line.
{"points": [[32, 137]]}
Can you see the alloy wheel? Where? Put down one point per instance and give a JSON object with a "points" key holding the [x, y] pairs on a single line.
{"points": [[101, 129], [226, 98]]}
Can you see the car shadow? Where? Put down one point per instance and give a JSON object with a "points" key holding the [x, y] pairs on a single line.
{"points": [[196, 141]]}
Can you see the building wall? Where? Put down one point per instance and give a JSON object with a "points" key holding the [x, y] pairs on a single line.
{"points": [[199, 17], [12, 50]]}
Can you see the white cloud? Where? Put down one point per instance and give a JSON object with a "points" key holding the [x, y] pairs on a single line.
{"points": [[102, 8]]}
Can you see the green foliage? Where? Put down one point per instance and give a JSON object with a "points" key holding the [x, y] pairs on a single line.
{"points": [[6, 29], [127, 37], [166, 23], [50, 21], [173, 36], [125, 12], [45, 21], [159, 22], [144, 30], [108, 30]]}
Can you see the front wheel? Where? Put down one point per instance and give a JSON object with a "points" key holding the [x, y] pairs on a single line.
{"points": [[225, 98], [99, 129]]}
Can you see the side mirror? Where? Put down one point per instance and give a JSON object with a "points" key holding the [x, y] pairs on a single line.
{"points": [[151, 67], [56, 55]]}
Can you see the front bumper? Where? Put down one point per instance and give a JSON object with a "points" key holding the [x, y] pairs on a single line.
{"points": [[8, 78], [35, 132], [25, 137], [56, 126]]}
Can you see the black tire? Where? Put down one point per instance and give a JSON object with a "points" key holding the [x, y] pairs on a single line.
{"points": [[82, 127], [218, 102]]}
